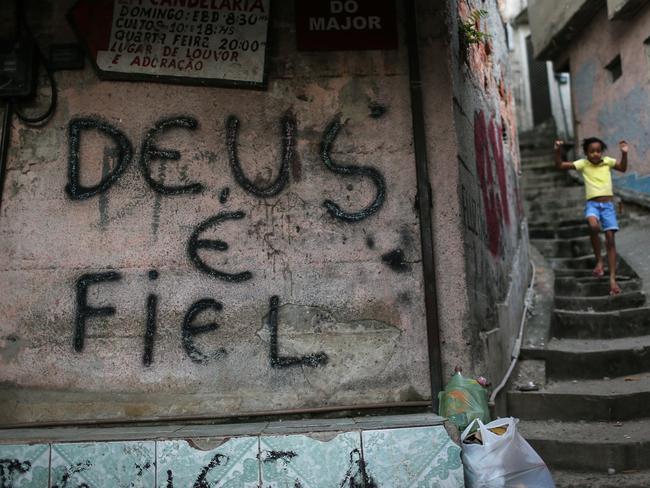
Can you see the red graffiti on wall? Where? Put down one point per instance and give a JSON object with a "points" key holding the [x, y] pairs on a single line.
{"points": [[491, 170]]}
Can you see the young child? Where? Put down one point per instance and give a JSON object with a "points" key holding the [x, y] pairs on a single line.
{"points": [[599, 210]]}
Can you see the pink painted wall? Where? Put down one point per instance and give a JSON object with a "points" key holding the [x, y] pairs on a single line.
{"points": [[336, 293], [494, 242], [353, 291], [614, 110]]}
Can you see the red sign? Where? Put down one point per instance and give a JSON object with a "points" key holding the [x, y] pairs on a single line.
{"points": [[345, 25]]}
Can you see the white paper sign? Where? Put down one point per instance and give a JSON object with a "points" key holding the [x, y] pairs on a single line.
{"points": [[200, 39]]}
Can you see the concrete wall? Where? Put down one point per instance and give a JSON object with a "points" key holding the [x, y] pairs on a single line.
{"points": [[553, 23], [350, 304], [352, 291], [521, 76], [624, 9], [495, 243], [560, 92], [612, 109]]}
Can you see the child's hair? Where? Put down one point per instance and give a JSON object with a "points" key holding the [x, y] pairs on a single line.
{"points": [[591, 140]]}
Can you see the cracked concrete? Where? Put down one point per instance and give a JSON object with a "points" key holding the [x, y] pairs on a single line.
{"points": [[357, 351]]}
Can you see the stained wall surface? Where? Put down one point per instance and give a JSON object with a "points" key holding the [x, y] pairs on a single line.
{"points": [[308, 306], [614, 109], [349, 326], [495, 238]]}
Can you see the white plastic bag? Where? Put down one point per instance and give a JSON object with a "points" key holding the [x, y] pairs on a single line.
{"points": [[502, 461]]}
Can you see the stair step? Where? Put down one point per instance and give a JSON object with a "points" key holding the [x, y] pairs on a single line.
{"points": [[549, 203], [536, 162], [568, 232], [592, 358], [545, 180], [540, 167], [555, 193], [601, 325], [534, 186], [557, 214], [590, 445], [588, 263], [601, 479], [604, 303], [576, 247], [590, 286], [585, 273], [558, 225], [613, 399]]}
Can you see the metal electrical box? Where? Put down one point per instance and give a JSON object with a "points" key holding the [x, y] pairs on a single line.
{"points": [[17, 67]]}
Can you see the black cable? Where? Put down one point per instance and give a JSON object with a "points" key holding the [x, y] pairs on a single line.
{"points": [[4, 145], [40, 119]]}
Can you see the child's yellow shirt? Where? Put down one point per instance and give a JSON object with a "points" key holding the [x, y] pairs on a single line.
{"points": [[598, 177]]}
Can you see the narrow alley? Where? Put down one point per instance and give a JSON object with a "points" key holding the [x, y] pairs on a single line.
{"points": [[586, 352]]}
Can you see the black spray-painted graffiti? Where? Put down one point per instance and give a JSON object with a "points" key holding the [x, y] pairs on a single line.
{"points": [[11, 469], [83, 310], [396, 260], [288, 127], [278, 361], [202, 480], [74, 188], [150, 333], [70, 471], [190, 330], [150, 151], [356, 476], [195, 244], [350, 170], [223, 196]]}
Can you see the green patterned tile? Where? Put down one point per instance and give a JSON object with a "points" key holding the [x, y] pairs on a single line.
{"points": [[24, 466], [420, 457], [104, 465], [209, 463], [323, 460]]}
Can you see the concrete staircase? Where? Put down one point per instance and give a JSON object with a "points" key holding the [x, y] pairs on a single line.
{"points": [[588, 353]]}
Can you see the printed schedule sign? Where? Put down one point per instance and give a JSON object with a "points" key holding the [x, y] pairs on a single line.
{"points": [[182, 41]]}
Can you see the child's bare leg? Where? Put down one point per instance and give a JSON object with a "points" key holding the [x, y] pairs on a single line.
{"points": [[611, 260], [594, 234]]}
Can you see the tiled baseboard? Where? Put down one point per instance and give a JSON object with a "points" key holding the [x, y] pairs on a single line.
{"points": [[396, 452]]}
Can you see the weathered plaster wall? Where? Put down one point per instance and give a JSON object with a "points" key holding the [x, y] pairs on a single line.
{"points": [[495, 243], [553, 24], [349, 291], [519, 68], [624, 9], [614, 110], [442, 150], [350, 307]]}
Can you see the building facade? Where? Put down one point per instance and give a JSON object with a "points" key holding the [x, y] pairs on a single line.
{"points": [[604, 46], [341, 236]]}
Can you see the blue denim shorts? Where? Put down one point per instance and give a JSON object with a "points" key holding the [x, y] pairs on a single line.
{"points": [[605, 212]]}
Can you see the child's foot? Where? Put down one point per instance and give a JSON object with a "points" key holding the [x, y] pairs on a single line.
{"points": [[598, 271], [614, 289]]}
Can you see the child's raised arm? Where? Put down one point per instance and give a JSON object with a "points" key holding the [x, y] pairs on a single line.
{"points": [[622, 164], [559, 164]]}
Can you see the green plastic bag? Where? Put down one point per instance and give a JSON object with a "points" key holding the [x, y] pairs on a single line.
{"points": [[463, 400]]}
